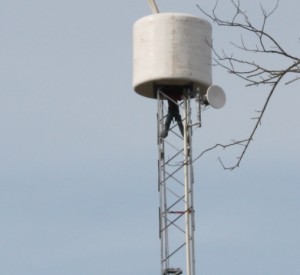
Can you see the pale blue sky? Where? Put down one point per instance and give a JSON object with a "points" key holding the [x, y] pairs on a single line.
{"points": [[78, 167]]}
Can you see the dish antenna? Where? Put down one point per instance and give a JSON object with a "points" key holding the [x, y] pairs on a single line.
{"points": [[215, 97]]}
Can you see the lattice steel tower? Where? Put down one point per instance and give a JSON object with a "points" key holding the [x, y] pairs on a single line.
{"points": [[175, 185], [172, 64]]}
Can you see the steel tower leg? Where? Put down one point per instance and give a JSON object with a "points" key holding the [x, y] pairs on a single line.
{"points": [[175, 185]]}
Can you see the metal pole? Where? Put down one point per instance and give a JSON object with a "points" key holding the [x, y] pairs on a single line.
{"points": [[153, 6], [162, 186], [187, 185]]}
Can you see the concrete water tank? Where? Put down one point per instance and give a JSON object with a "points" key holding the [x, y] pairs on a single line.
{"points": [[171, 49]]}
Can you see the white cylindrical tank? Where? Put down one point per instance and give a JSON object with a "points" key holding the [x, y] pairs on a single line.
{"points": [[171, 49]]}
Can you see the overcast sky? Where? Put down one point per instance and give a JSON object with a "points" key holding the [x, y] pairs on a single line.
{"points": [[78, 156]]}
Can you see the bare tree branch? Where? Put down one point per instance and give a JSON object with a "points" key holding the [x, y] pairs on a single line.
{"points": [[251, 69], [224, 146]]}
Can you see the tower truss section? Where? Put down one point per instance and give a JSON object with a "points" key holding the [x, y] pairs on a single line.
{"points": [[175, 186]]}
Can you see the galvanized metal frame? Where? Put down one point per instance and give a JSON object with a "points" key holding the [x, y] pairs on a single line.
{"points": [[175, 186]]}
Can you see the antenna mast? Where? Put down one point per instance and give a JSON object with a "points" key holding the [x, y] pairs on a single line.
{"points": [[172, 63]]}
